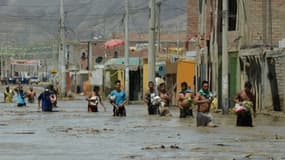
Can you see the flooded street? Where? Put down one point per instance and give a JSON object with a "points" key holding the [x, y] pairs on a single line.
{"points": [[73, 133]]}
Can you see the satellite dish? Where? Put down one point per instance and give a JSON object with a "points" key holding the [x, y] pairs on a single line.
{"points": [[99, 59]]}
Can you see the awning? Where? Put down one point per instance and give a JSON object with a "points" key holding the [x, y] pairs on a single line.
{"points": [[113, 43], [25, 62], [119, 63]]}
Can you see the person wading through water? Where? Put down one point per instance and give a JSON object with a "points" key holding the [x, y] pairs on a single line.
{"points": [[245, 102], [150, 99], [8, 95], [203, 99], [94, 99], [185, 100], [118, 100], [31, 94], [45, 101]]}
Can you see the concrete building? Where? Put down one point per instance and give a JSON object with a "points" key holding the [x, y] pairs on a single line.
{"points": [[256, 32]]}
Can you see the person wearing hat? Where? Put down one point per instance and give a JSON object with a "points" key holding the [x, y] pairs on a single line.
{"points": [[44, 101]]}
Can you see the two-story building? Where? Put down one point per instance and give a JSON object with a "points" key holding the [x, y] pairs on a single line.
{"points": [[256, 32]]}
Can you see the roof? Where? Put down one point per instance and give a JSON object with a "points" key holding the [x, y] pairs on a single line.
{"points": [[119, 63]]}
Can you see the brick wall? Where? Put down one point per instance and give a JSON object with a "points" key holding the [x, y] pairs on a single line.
{"points": [[255, 20], [280, 71], [255, 15], [192, 18]]}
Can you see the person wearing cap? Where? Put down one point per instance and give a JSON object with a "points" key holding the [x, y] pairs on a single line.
{"points": [[44, 101]]}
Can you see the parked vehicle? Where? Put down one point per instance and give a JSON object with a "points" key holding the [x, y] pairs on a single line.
{"points": [[34, 80], [4, 81], [12, 80]]}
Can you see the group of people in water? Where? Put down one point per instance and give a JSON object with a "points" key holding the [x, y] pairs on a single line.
{"points": [[9, 93], [158, 101], [117, 99], [186, 100], [245, 107], [47, 100]]}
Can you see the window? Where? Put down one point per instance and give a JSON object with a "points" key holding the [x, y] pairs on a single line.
{"points": [[232, 14]]}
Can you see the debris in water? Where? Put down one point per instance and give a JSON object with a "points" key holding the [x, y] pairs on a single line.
{"points": [[277, 137], [174, 147], [21, 132], [248, 156], [161, 147]]}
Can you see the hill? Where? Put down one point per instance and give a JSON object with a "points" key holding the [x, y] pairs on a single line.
{"points": [[30, 21]]}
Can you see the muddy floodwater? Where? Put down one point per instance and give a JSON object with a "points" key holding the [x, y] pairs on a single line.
{"points": [[73, 134]]}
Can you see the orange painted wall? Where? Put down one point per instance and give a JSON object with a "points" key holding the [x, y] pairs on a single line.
{"points": [[185, 72]]}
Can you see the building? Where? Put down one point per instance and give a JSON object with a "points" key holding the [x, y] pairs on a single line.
{"points": [[256, 32]]}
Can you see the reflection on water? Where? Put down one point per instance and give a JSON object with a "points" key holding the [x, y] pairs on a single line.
{"points": [[73, 133]]}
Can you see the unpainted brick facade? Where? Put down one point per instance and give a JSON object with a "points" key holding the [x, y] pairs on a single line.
{"points": [[280, 71], [254, 17], [260, 24]]}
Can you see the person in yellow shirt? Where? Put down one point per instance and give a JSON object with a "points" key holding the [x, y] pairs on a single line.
{"points": [[8, 95]]}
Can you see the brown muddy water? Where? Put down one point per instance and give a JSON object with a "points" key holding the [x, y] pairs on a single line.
{"points": [[73, 134]]}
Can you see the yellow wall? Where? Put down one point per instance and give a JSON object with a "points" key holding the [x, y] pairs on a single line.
{"points": [[185, 72], [121, 77]]}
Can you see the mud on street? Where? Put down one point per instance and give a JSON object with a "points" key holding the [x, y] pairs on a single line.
{"points": [[73, 133]]}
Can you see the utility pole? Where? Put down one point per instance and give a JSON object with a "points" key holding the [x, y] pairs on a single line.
{"points": [[151, 53], [203, 32], [283, 91], [158, 25], [205, 40], [90, 56], [200, 45], [1, 57], [225, 63], [177, 36], [214, 48], [126, 47], [61, 61]]}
